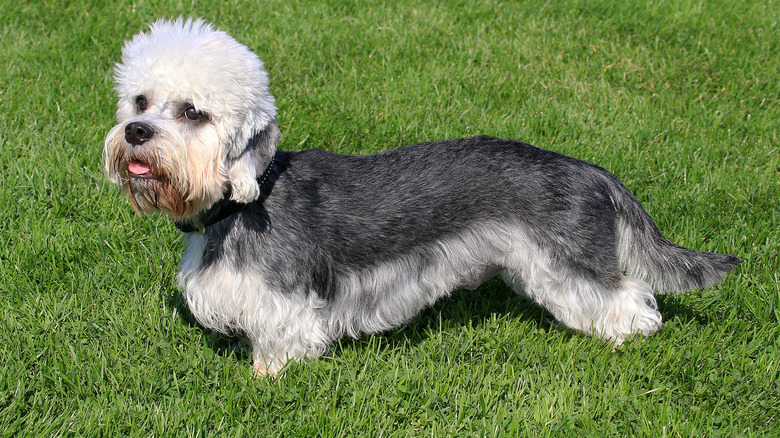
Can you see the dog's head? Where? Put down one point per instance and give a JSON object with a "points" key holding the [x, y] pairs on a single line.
{"points": [[195, 117]]}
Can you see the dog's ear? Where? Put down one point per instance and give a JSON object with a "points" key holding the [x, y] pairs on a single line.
{"points": [[244, 168]]}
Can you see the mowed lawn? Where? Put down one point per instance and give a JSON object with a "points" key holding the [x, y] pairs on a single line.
{"points": [[680, 99]]}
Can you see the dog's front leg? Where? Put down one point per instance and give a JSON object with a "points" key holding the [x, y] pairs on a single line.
{"points": [[293, 327]]}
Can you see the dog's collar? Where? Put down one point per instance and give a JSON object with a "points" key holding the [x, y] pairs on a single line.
{"points": [[227, 207]]}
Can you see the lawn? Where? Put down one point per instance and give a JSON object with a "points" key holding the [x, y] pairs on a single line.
{"points": [[681, 100]]}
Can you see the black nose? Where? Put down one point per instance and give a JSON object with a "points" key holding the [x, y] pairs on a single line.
{"points": [[138, 133]]}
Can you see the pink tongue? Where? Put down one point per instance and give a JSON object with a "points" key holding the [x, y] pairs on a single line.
{"points": [[138, 168]]}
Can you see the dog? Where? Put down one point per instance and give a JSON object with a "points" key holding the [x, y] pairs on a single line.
{"points": [[295, 250]]}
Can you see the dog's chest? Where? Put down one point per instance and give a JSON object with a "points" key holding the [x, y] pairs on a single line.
{"points": [[192, 258]]}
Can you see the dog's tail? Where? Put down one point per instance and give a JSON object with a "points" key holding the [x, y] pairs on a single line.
{"points": [[645, 253]]}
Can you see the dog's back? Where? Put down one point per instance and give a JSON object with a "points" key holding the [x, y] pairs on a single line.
{"points": [[448, 213]]}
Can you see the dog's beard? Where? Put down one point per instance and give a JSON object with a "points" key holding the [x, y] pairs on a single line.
{"points": [[151, 196], [149, 187]]}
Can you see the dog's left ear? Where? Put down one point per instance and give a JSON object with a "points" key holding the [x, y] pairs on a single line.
{"points": [[244, 168]]}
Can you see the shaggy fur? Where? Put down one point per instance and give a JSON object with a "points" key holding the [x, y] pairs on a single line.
{"points": [[296, 250]]}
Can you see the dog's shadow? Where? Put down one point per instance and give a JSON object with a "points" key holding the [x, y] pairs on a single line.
{"points": [[464, 307]]}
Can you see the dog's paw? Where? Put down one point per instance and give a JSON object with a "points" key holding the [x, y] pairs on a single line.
{"points": [[262, 370]]}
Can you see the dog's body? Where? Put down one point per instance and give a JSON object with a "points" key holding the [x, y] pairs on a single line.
{"points": [[316, 246]]}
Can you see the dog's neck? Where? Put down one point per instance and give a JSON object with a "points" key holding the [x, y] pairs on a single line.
{"points": [[226, 207]]}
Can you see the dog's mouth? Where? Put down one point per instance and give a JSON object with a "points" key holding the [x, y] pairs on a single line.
{"points": [[139, 169]]}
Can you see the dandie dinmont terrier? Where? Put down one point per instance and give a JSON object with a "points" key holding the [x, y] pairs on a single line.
{"points": [[295, 250]]}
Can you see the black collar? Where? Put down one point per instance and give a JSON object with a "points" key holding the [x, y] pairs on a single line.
{"points": [[227, 207]]}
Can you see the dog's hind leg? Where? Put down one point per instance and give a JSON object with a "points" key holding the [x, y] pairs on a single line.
{"points": [[612, 309]]}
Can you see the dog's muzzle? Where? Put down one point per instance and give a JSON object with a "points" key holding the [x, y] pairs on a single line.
{"points": [[138, 133]]}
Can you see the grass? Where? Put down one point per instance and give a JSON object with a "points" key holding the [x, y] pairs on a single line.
{"points": [[679, 99]]}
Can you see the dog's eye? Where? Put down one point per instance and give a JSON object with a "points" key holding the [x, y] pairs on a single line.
{"points": [[140, 103], [192, 114]]}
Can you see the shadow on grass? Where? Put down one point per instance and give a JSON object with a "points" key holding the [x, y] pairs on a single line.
{"points": [[221, 344], [463, 307], [672, 307]]}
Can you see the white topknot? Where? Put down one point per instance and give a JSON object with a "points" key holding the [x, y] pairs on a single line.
{"points": [[191, 60]]}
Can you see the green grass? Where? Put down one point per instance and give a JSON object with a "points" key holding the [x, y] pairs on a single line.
{"points": [[679, 99]]}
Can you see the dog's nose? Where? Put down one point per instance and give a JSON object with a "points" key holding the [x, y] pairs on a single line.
{"points": [[138, 133]]}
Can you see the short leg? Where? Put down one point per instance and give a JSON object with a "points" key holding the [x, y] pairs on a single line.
{"points": [[611, 311], [297, 333]]}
